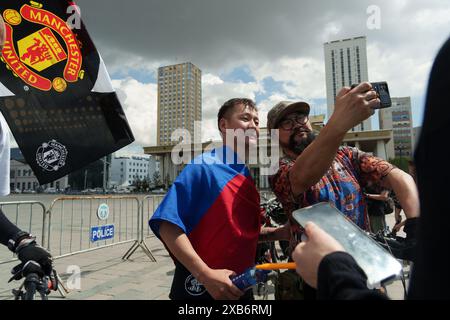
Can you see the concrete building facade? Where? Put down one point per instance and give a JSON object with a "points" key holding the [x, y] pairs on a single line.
{"points": [[125, 171], [22, 179], [399, 119], [179, 100]]}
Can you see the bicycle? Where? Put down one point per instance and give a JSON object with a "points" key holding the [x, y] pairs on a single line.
{"points": [[36, 283], [273, 216], [267, 252], [400, 248]]}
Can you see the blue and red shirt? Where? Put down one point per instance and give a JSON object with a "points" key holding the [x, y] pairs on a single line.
{"points": [[215, 202]]}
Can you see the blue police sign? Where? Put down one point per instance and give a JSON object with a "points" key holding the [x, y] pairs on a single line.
{"points": [[102, 233]]}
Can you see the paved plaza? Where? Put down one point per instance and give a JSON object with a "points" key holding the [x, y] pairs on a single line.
{"points": [[103, 275]]}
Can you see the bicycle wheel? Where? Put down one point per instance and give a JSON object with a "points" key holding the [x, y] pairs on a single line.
{"points": [[44, 296]]}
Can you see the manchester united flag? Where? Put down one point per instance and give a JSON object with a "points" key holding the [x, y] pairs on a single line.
{"points": [[55, 92]]}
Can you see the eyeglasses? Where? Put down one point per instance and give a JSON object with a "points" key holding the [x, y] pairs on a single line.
{"points": [[288, 124]]}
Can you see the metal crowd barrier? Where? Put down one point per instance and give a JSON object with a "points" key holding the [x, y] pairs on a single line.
{"points": [[71, 219], [24, 215], [149, 206]]}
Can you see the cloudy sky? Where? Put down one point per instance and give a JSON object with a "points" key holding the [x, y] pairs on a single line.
{"points": [[262, 49]]}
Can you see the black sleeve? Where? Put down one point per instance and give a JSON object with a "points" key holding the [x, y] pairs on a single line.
{"points": [[430, 278], [7, 229], [340, 278]]}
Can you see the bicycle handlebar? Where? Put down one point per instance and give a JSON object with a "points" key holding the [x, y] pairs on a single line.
{"points": [[36, 281], [400, 248]]}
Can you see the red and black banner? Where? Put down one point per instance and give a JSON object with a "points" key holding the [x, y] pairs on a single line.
{"points": [[55, 92]]}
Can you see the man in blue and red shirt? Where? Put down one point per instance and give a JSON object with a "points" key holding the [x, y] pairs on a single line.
{"points": [[210, 220]]}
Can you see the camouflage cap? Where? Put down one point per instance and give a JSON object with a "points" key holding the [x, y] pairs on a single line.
{"points": [[282, 109]]}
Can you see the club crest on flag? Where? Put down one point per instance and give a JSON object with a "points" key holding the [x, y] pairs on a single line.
{"points": [[53, 48], [51, 156]]}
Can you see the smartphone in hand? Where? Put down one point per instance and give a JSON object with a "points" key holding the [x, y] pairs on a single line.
{"points": [[382, 89]]}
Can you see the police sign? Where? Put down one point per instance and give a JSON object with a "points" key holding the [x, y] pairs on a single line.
{"points": [[102, 233]]}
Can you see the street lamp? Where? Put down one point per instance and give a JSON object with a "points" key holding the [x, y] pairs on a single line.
{"points": [[85, 178], [400, 148], [106, 165]]}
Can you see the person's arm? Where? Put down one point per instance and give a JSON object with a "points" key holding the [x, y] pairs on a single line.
{"points": [[323, 263], [398, 226], [7, 229], [275, 233], [406, 191], [352, 107], [216, 282], [24, 245], [341, 278], [398, 216], [379, 197]]}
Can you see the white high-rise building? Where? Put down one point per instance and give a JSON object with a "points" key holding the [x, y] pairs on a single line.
{"points": [[345, 64]]}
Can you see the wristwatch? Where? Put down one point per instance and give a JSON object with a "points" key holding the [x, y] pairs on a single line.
{"points": [[19, 240]]}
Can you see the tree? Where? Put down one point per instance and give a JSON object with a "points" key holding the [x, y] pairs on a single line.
{"points": [[146, 184], [401, 163], [156, 180]]}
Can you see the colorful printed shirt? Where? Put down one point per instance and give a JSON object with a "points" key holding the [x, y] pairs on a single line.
{"points": [[342, 185], [215, 202]]}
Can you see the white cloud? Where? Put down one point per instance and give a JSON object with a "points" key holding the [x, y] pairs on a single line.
{"points": [[267, 104], [406, 75], [283, 41], [211, 80], [139, 101], [121, 63], [215, 93], [331, 29], [303, 78], [431, 19]]}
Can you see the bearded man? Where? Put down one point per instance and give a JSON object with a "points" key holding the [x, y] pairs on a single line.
{"points": [[318, 169]]}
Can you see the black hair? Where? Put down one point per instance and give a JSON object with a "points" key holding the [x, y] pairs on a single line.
{"points": [[227, 106]]}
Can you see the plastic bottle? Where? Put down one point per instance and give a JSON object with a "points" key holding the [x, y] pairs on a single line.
{"points": [[249, 278]]}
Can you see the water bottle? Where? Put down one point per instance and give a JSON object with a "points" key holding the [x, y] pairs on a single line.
{"points": [[249, 278]]}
